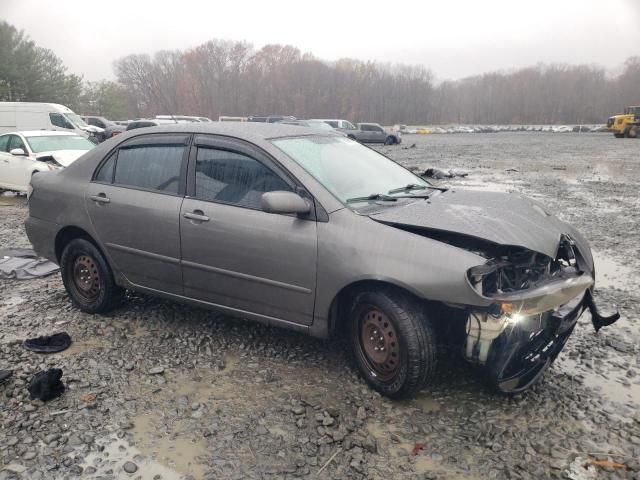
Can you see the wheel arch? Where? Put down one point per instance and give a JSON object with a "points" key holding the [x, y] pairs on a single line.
{"points": [[71, 232], [340, 303]]}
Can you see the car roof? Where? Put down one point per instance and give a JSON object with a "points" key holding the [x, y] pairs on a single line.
{"points": [[43, 133], [250, 131]]}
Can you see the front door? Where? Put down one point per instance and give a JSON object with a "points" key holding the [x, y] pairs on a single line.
{"points": [[16, 169], [233, 253], [134, 203]]}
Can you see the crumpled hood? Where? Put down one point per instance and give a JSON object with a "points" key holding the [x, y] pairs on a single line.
{"points": [[63, 157], [501, 218]]}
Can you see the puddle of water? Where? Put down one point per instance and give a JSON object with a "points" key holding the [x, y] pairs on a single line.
{"points": [[607, 384], [426, 403], [116, 452], [174, 446], [612, 274], [77, 347]]}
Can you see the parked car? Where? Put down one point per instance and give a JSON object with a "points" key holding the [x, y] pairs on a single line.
{"points": [[109, 128], [152, 122], [270, 118], [315, 232], [319, 124], [186, 118], [374, 133], [22, 116], [23, 154], [337, 123]]}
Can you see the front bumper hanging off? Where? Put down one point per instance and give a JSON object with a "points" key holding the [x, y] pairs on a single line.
{"points": [[517, 349]]}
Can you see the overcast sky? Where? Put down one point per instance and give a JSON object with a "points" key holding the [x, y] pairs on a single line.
{"points": [[452, 38]]}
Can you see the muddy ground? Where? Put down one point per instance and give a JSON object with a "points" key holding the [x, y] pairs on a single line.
{"points": [[166, 391]]}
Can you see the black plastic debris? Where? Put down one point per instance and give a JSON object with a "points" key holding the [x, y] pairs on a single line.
{"points": [[5, 375], [46, 385], [48, 343], [440, 174]]}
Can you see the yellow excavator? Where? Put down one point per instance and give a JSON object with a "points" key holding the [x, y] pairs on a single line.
{"points": [[626, 125]]}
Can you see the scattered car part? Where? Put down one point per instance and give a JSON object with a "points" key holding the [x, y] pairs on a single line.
{"points": [[48, 343], [5, 375], [46, 385]]}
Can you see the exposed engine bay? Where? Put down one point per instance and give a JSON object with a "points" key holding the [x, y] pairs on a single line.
{"points": [[538, 301]]}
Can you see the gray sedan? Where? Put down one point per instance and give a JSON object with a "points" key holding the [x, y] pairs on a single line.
{"points": [[315, 232]]}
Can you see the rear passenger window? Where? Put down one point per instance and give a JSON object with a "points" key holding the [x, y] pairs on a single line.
{"points": [[152, 167], [105, 174], [231, 177]]}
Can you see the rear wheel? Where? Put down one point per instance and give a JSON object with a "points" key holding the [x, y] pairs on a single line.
{"points": [[393, 342], [390, 140], [88, 278], [633, 132]]}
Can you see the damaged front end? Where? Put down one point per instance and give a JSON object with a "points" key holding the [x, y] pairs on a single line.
{"points": [[535, 304]]}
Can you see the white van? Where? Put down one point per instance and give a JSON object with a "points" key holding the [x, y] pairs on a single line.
{"points": [[20, 116]]}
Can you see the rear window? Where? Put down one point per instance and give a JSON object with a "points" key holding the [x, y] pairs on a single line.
{"points": [[151, 167]]}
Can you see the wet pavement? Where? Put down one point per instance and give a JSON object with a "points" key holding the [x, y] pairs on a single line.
{"points": [[157, 390]]}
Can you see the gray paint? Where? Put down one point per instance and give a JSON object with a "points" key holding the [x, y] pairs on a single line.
{"points": [[496, 217], [277, 269]]}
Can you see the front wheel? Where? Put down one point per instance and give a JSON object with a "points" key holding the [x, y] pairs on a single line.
{"points": [[88, 278], [390, 140], [393, 341]]}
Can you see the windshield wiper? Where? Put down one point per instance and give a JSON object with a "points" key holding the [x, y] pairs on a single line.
{"points": [[416, 186], [373, 196], [384, 198]]}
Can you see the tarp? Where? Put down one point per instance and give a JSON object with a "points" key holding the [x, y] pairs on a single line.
{"points": [[24, 264]]}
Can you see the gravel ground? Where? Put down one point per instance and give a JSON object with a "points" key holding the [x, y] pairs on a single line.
{"points": [[158, 390]]}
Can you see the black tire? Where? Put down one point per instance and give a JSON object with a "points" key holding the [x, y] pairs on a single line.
{"points": [[351, 137], [390, 140], [618, 135], [88, 278], [415, 352], [633, 132]]}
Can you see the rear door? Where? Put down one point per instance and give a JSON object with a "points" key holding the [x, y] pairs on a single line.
{"points": [[233, 253], [378, 134], [134, 203]]}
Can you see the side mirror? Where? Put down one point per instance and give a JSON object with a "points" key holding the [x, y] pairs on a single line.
{"points": [[284, 202], [18, 152]]}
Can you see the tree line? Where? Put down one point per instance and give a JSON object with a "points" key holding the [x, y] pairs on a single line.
{"points": [[223, 77]]}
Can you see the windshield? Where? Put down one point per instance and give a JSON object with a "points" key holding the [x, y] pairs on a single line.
{"points": [[76, 119], [49, 143], [346, 168]]}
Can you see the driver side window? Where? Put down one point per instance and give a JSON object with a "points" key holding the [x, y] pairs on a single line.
{"points": [[4, 143]]}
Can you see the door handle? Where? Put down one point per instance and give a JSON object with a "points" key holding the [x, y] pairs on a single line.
{"points": [[197, 215], [100, 198]]}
